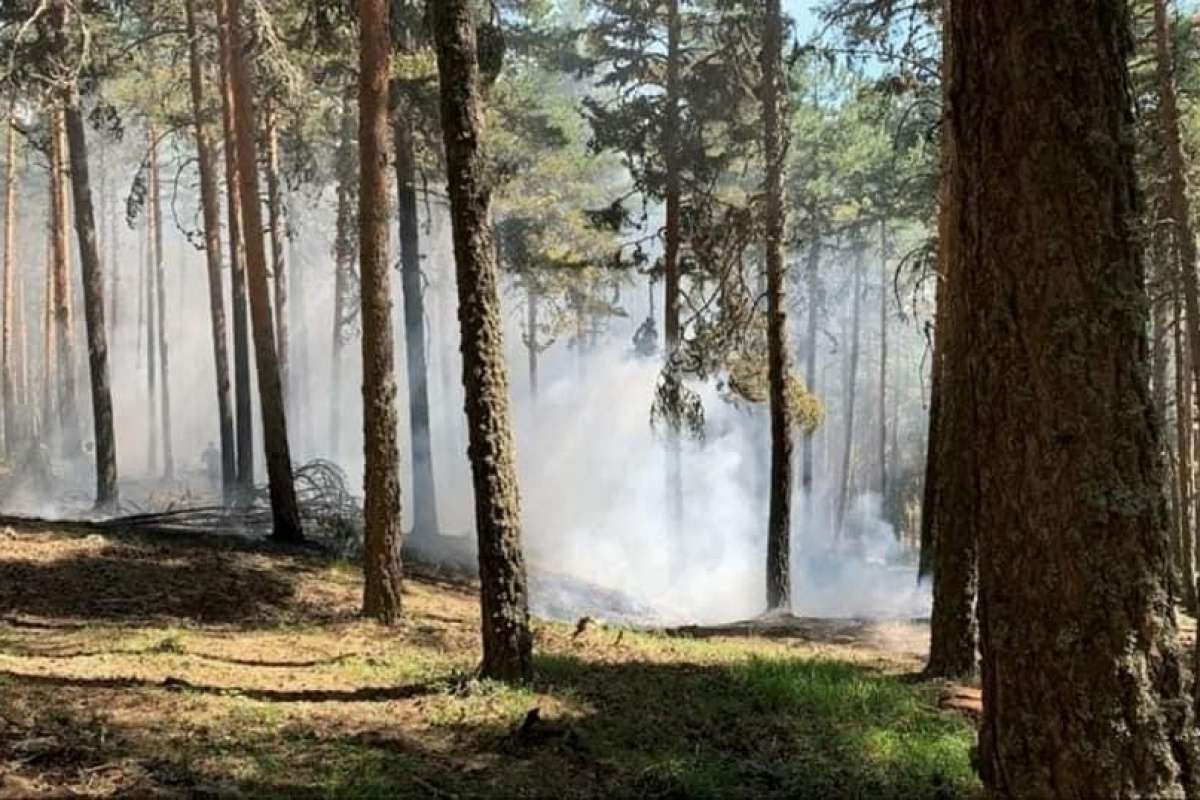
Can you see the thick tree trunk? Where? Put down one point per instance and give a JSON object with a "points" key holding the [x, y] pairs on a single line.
{"points": [[64, 322], [10, 266], [424, 497], [243, 402], [278, 225], [850, 399], [1082, 677], [284, 508], [382, 569], [775, 135], [211, 207], [160, 296], [506, 638], [344, 255], [93, 308]]}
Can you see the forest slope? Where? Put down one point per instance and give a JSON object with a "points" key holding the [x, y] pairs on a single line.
{"points": [[205, 666]]}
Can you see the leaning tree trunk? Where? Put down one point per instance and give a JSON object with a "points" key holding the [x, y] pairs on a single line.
{"points": [[211, 207], [382, 568], [850, 400], [278, 226], [1082, 675], [779, 525], [64, 323], [505, 615], [284, 508], [424, 496], [243, 403], [160, 297], [10, 266], [93, 307]]}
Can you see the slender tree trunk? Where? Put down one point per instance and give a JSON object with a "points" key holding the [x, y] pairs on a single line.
{"points": [[1182, 540], [673, 235], [344, 255], [49, 415], [507, 643], [211, 207], [424, 499], [112, 258], [64, 326], [1082, 677], [278, 222], [151, 273], [10, 266], [883, 363], [284, 507], [243, 403], [813, 283], [382, 568], [160, 331], [531, 345], [775, 135], [850, 400], [93, 307]]}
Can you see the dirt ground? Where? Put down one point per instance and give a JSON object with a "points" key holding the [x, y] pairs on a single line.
{"points": [[214, 666]]}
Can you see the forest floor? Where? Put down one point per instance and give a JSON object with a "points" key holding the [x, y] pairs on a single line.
{"points": [[213, 666]]}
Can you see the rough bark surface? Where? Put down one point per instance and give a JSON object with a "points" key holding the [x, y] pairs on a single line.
{"points": [[382, 568], [1083, 687], [779, 524], [505, 615], [284, 508]]}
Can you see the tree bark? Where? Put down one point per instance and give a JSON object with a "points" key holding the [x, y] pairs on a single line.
{"points": [[382, 568], [284, 508], [1083, 682], [93, 307], [1182, 539], [673, 240], [775, 130], [10, 266], [243, 403], [850, 400], [278, 224], [64, 323], [813, 282], [506, 638], [344, 254], [424, 497], [160, 296], [211, 207]]}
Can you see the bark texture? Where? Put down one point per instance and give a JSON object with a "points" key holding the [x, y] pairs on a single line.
{"points": [[381, 552], [1083, 691], [505, 614]]}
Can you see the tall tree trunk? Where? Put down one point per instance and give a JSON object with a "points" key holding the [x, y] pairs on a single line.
{"points": [[382, 569], [775, 136], [673, 235], [1082, 676], [344, 254], [299, 392], [883, 363], [278, 224], [151, 275], [211, 207], [93, 307], [10, 266], [111, 257], [850, 400], [424, 498], [813, 283], [49, 416], [64, 324], [160, 331], [284, 508], [1182, 539], [505, 615], [243, 403]]}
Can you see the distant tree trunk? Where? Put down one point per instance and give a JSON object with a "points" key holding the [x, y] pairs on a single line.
{"points": [[48, 348], [424, 499], [211, 206], [278, 226], [1182, 539], [244, 416], [151, 274], [382, 568], [300, 394], [775, 137], [344, 254], [26, 398], [531, 345], [1082, 676], [850, 400], [112, 258], [813, 283], [507, 643], [160, 281], [883, 363], [284, 507], [10, 266], [673, 236], [93, 308], [64, 324]]}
